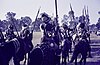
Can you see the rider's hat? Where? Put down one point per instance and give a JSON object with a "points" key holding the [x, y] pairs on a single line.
{"points": [[44, 14], [82, 25]]}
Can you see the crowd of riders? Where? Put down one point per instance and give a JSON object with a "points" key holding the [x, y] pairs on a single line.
{"points": [[53, 33]]}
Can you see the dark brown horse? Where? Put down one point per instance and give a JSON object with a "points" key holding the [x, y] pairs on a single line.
{"points": [[25, 47], [7, 51], [65, 51], [81, 48], [44, 54]]}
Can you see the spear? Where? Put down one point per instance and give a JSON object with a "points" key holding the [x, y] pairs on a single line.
{"points": [[85, 10], [87, 14], [57, 27], [72, 12], [36, 18], [37, 13], [71, 7], [56, 11]]}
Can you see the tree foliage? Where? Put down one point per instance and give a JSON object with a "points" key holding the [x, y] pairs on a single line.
{"points": [[98, 24]]}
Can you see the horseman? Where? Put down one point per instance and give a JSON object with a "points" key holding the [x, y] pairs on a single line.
{"points": [[68, 36], [82, 29], [47, 26], [84, 33], [10, 33], [49, 35], [1, 37], [26, 36], [65, 47]]}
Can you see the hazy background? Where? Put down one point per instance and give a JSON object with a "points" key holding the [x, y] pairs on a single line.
{"points": [[30, 7]]}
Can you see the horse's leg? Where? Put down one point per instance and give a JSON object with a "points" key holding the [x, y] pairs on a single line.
{"points": [[76, 61], [16, 62], [84, 61], [58, 60], [81, 61], [75, 54], [25, 59], [68, 56], [65, 60], [84, 57], [73, 57], [28, 58], [62, 60], [89, 52]]}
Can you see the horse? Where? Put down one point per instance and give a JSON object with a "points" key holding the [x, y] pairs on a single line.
{"points": [[25, 47], [81, 48], [44, 54], [36, 56], [8, 50], [65, 50]]}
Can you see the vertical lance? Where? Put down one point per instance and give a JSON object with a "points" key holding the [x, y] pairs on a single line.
{"points": [[73, 17], [87, 11], [56, 16], [71, 7], [72, 12], [56, 11], [57, 30], [57, 34], [83, 11], [87, 17]]}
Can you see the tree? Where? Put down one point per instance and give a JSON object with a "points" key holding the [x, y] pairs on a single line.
{"points": [[98, 24], [99, 12], [13, 21]]}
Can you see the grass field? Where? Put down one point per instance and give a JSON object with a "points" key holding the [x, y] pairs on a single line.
{"points": [[94, 37], [37, 37]]}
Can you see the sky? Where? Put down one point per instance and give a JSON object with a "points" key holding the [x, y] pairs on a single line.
{"points": [[30, 7]]}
